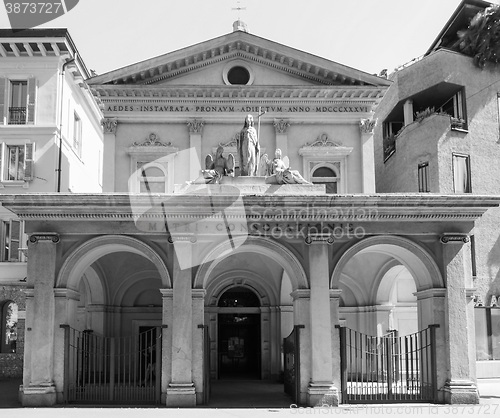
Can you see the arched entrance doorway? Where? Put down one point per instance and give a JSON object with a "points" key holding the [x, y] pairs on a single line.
{"points": [[238, 333], [112, 311]]}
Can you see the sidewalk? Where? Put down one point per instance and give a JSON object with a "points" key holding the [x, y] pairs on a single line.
{"points": [[489, 390]]}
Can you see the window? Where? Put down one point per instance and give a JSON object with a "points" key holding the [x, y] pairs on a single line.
{"points": [[8, 327], [487, 333], [16, 162], [455, 107], [473, 255], [461, 174], [77, 135], [423, 178], [17, 101], [238, 76], [152, 178], [326, 176], [12, 234]]}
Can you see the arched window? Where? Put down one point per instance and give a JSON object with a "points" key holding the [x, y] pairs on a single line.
{"points": [[152, 178], [8, 327], [327, 176]]}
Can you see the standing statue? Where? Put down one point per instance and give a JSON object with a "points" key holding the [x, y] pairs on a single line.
{"points": [[216, 168], [277, 170], [248, 148]]}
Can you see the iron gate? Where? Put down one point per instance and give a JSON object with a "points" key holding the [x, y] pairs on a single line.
{"points": [[388, 368], [291, 353], [114, 370]]}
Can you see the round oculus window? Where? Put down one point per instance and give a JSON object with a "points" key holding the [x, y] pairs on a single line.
{"points": [[238, 76]]}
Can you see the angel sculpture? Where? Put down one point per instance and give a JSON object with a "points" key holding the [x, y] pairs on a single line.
{"points": [[277, 170], [216, 168]]}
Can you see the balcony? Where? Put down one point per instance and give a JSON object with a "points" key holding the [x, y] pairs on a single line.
{"points": [[17, 115]]}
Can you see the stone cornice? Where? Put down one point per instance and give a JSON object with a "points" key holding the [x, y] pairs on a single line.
{"points": [[181, 93], [278, 208]]}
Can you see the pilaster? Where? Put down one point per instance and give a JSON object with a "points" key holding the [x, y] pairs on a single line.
{"points": [[167, 318], [198, 298], [301, 316], [38, 381], [460, 387], [109, 126], [321, 390], [368, 154], [181, 390], [195, 127]]}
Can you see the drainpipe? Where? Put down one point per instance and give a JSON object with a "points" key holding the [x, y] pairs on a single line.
{"points": [[59, 163]]}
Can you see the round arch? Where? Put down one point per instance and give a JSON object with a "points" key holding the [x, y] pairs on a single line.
{"points": [[239, 278], [90, 251], [417, 260], [259, 245]]}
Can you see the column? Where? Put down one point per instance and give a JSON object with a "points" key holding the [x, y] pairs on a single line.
{"points": [[368, 154], [38, 380], [460, 387], [66, 305], [281, 127], [166, 340], [408, 112], [431, 311], [196, 160], [301, 317], [198, 346], [335, 355], [109, 154], [321, 390], [181, 390]]}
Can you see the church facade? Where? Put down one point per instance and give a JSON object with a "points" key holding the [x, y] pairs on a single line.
{"points": [[158, 286]]}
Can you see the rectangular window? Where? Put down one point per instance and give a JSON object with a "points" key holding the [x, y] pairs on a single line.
{"points": [[16, 162], [12, 238], [77, 135], [473, 255], [455, 107], [423, 178], [461, 174], [18, 105], [487, 321]]}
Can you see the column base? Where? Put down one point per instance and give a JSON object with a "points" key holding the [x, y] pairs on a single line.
{"points": [[322, 394], [461, 392], [38, 395], [181, 395]]}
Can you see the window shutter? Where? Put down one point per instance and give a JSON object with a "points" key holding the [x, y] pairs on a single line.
{"points": [[29, 157], [3, 96], [31, 100]]}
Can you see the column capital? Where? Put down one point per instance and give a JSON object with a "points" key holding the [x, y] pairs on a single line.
{"points": [[367, 126], [300, 294], [44, 236], [453, 238], [195, 126], [335, 293], [109, 125], [198, 293], [67, 293], [167, 293], [281, 125]]}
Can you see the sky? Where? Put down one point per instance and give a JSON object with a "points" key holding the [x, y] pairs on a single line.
{"points": [[369, 35]]}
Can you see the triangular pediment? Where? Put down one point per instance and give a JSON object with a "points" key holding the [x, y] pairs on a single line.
{"points": [[200, 63]]}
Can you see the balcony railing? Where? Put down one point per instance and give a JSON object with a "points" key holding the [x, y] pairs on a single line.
{"points": [[17, 115]]}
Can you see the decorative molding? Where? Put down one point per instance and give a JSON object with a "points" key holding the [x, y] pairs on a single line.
{"points": [[323, 141], [233, 142], [281, 126], [454, 238], [152, 141], [44, 236], [367, 126], [109, 125], [494, 301], [478, 301], [195, 126]]}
